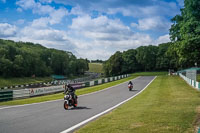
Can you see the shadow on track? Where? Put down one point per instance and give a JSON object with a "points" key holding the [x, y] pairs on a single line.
{"points": [[133, 90], [79, 108]]}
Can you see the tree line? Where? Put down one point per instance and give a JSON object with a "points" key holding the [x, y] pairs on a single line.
{"points": [[182, 52], [25, 59]]}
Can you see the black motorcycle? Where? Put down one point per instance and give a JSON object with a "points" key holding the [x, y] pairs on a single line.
{"points": [[70, 101]]}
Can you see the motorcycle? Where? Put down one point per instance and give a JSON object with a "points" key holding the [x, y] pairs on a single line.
{"points": [[130, 86], [70, 101]]}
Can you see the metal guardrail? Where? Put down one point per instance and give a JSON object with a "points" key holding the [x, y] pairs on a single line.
{"points": [[191, 82], [6, 95]]}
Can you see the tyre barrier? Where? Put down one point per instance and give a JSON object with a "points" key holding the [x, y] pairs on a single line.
{"points": [[6, 95]]}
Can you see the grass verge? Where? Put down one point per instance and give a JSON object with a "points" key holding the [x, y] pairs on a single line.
{"points": [[150, 73], [198, 77], [168, 105], [4, 82], [61, 95]]}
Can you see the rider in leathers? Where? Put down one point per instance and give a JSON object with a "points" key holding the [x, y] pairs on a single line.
{"points": [[69, 89]]}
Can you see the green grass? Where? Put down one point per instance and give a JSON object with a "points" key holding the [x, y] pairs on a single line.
{"points": [[5, 82], [168, 105], [150, 73], [198, 77], [96, 67], [61, 95]]}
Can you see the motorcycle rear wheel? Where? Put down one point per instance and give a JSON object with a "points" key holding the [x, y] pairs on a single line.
{"points": [[76, 103], [66, 106]]}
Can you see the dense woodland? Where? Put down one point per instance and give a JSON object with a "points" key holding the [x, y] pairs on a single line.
{"points": [[182, 52], [19, 59]]}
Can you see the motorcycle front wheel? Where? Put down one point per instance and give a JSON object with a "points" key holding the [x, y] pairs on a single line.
{"points": [[66, 106]]}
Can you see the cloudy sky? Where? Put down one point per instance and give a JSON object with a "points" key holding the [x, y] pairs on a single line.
{"points": [[93, 29]]}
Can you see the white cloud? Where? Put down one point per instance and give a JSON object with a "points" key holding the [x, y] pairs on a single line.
{"points": [[55, 15], [180, 2], [45, 1], [19, 9], [91, 33], [153, 23], [41, 22], [26, 4], [104, 35], [20, 21], [163, 39], [77, 10], [7, 30]]}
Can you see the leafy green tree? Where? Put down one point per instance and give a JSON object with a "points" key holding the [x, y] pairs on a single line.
{"points": [[27, 59], [113, 66], [163, 60], [130, 63], [5, 67], [185, 33], [146, 57]]}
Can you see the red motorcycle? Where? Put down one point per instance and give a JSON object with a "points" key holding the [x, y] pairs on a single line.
{"points": [[130, 86]]}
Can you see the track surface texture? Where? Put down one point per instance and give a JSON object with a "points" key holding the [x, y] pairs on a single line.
{"points": [[51, 117]]}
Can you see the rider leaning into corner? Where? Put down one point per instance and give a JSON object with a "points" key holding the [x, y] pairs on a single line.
{"points": [[69, 89]]}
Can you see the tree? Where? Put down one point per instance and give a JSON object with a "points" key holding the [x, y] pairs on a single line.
{"points": [[185, 33], [113, 66], [130, 63], [27, 59], [146, 57], [163, 60]]}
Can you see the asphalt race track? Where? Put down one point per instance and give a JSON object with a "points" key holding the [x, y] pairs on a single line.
{"points": [[51, 117]]}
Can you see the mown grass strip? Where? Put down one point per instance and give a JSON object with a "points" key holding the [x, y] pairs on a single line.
{"points": [[96, 67], [198, 77], [61, 95], [150, 73], [6, 82], [168, 105]]}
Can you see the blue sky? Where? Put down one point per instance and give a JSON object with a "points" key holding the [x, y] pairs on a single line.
{"points": [[90, 29]]}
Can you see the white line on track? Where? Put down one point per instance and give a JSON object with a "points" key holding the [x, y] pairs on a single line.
{"points": [[104, 112], [7, 107]]}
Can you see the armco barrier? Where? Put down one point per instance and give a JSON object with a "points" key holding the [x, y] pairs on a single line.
{"points": [[87, 84], [91, 83], [193, 83], [100, 81], [6, 95], [45, 90], [20, 93], [106, 80], [96, 82]]}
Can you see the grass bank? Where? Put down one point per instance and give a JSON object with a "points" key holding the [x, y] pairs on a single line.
{"points": [[150, 73], [96, 67], [4, 82], [168, 105], [198, 77], [61, 95]]}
